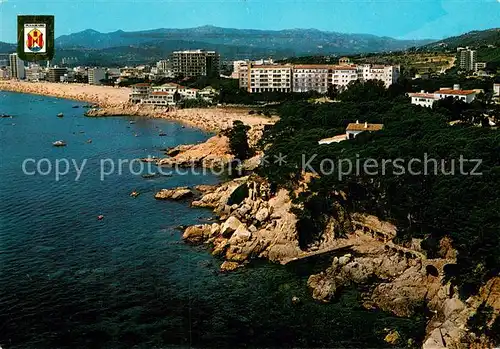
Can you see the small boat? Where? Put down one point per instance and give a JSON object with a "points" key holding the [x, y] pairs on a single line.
{"points": [[59, 144], [100, 217], [5, 116], [89, 141], [131, 122], [75, 106], [135, 194], [60, 115], [149, 175], [162, 134], [136, 135]]}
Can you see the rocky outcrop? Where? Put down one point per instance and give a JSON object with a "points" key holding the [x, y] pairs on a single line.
{"points": [[254, 223], [448, 327], [174, 194], [214, 153], [405, 283]]}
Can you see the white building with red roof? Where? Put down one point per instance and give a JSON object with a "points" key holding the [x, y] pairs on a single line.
{"points": [[428, 99]]}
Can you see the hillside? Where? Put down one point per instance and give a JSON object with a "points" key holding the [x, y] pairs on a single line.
{"points": [[244, 42], [472, 39], [486, 42], [6, 47]]}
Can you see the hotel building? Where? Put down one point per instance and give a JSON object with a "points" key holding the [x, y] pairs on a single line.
{"points": [[266, 78], [467, 58], [17, 70], [194, 63], [96, 75], [311, 77]]}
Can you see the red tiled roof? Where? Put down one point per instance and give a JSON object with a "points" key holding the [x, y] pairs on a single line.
{"points": [[172, 84], [161, 93], [343, 67], [142, 84], [361, 127], [271, 66], [312, 66], [456, 92], [423, 95]]}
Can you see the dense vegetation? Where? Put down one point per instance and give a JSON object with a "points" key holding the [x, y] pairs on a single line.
{"points": [[238, 140], [429, 207]]}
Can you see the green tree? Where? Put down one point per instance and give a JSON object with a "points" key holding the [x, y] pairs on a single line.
{"points": [[238, 140]]}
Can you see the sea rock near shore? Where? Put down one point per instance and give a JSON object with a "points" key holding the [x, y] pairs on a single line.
{"points": [[214, 153], [174, 194], [255, 222]]}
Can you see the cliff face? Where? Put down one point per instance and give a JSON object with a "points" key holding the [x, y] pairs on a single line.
{"points": [[254, 223]]}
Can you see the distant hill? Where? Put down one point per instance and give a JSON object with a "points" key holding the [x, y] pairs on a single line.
{"points": [[472, 39], [486, 42], [7, 48], [278, 43]]}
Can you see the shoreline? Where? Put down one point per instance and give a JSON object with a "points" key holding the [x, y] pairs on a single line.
{"points": [[113, 101]]}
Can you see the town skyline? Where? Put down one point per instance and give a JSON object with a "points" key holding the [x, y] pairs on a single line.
{"points": [[408, 20]]}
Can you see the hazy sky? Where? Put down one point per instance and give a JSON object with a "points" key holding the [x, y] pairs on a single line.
{"points": [[418, 19]]}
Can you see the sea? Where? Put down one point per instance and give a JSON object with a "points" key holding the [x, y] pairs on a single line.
{"points": [[70, 280]]}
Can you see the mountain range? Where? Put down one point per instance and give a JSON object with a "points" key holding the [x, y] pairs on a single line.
{"points": [[91, 47], [150, 45]]}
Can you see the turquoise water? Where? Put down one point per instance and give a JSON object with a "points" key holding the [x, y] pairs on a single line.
{"points": [[68, 280]]}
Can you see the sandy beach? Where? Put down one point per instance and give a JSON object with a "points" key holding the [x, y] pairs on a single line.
{"points": [[113, 101]]}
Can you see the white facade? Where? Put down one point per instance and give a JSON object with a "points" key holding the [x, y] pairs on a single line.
{"points": [[310, 78], [496, 90], [269, 78], [388, 74], [139, 93], [33, 73], [466, 96], [17, 69], [304, 78], [160, 98], [236, 68], [467, 58], [479, 66], [163, 95], [4, 73], [96, 75], [423, 99], [428, 99], [343, 75]]}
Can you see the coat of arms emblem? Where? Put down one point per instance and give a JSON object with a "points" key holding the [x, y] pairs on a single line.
{"points": [[34, 38]]}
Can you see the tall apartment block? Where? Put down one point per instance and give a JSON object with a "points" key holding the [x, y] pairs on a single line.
{"points": [[96, 75], [468, 58], [311, 77], [17, 70], [196, 63], [266, 78]]}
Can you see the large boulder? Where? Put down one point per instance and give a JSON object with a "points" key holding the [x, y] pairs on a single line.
{"points": [[230, 226], [196, 234], [174, 194], [240, 235], [229, 266]]}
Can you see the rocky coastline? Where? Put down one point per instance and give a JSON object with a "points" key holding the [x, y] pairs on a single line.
{"points": [[255, 223]]}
